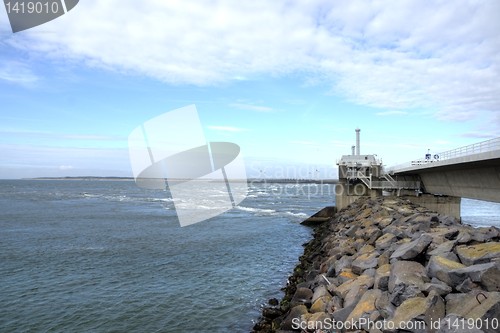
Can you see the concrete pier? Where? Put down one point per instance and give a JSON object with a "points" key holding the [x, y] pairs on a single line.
{"points": [[441, 204]]}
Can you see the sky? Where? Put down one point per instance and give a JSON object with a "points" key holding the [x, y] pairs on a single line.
{"points": [[288, 81]]}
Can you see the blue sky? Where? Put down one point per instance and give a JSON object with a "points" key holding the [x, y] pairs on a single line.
{"points": [[287, 81]]}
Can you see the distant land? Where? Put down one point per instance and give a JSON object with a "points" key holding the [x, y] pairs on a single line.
{"points": [[249, 180]]}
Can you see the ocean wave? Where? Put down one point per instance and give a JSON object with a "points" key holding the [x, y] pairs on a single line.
{"points": [[256, 210], [299, 215]]}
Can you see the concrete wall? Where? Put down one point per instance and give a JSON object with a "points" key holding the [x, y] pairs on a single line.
{"points": [[467, 177], [475, 183], [444, 205], [347, 194]]}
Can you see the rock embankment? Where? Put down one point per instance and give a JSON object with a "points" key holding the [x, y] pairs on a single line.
{"points": [[387, 265]]}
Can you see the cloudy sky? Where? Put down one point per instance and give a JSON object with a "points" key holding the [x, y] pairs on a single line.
{"points": [[288, 81]]}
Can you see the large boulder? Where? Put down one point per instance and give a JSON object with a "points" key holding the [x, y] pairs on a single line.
{"points": [[476, 273], [385, 241], [406, 280], [420, 313], [343, 289], [480, 307], [479, 253], [365, 306], [442, 268], [302, 296], [412, 249], [294, 316], [365, 261], [382, 277]]}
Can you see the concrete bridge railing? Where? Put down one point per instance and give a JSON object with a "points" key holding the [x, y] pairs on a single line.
{"points": [[476, 148]]}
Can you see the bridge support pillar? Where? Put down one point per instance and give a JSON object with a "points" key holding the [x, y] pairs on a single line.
{"points": [[446, 205], [346, 194]]}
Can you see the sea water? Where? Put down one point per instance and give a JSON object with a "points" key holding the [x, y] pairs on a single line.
{"points": [[104, 256], [107, 256]]}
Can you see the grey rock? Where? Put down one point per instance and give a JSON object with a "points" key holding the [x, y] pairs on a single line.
{"points": [[354, 295], [479, 253], [320, 291], [442, 268], [351, 231], [344, 262], [439, 287], [413, 248], [485, 234], [382, 277], [419, 309], [295, 313], [491, 278], [406, 280], [483, 306], [475, 274], [302, 296], [403, 292], [365, 261], [385, 241], [466, 286], [442, 248], [384, 306]]}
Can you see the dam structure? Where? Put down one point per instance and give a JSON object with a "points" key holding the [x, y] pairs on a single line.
{"points": [[437, 181]]}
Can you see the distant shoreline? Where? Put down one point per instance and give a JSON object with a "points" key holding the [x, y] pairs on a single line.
{"points": [[250, 180]]}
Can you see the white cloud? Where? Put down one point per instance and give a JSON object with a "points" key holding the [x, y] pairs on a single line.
{"points": [[227, 128], [394, 55], [17, 72]]}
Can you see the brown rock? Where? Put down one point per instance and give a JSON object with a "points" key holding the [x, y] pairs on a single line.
{"points": [[478, 254], [362, 280], [419, 309], [364, 261], [441, 268], [320, 304], [365, 306]]}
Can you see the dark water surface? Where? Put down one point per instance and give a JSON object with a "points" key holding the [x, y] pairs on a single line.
{"points": [[103, 256], [107, 256]]}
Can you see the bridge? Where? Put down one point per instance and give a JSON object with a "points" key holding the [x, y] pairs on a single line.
{"points": [[468, 172], [437, 181]]}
